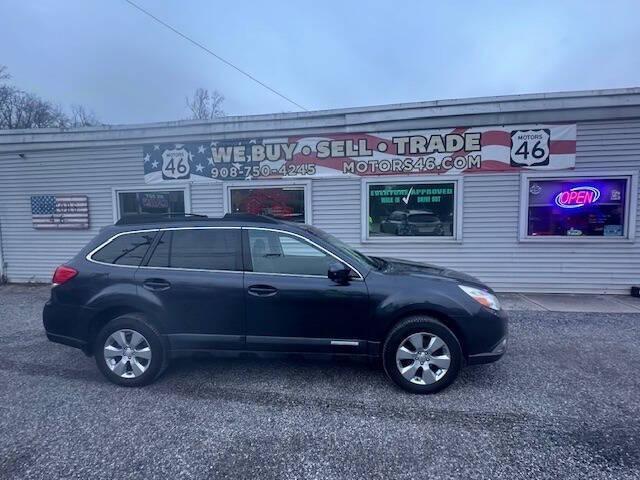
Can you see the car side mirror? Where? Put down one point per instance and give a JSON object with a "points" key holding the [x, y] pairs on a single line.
{"points": [[339, 273]]}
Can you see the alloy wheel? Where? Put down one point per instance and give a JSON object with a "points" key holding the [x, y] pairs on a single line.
{"points": [[423, 358], [127, 353]]}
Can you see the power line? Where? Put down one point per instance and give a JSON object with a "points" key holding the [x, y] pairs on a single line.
{"points": [[197, 44]]}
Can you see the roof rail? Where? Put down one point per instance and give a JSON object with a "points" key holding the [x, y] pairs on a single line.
{"points": [[159, 217], [249, 217]]}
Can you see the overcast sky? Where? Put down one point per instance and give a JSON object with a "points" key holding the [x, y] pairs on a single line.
{"points": [[328, 54]]}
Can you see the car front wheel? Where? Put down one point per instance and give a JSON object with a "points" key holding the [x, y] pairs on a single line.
{"points": [[129, 351], [422, 355]]}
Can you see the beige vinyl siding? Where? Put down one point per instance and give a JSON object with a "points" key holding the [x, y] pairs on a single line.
{"points": [[31, 255], [206, 199]]}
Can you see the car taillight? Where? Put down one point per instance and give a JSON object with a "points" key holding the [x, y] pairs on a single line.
{"points": [[63, 274]]}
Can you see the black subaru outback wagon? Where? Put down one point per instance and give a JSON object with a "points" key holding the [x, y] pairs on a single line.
{"points": [[151, 288]]}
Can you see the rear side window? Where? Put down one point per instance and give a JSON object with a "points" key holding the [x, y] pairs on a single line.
{"points": [[160, 256], [127, 249], [203, 249]]}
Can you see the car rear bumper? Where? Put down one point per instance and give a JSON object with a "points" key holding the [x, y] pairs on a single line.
{"points": [[70, 341], [67, 324]]}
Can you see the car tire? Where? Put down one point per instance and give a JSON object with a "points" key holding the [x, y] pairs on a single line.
{"points": [[135, 360], [426, 369]]}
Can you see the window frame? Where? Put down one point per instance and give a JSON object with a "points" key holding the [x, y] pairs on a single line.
{"points": [[631, 176], [304, 185], [115, 194], [458, 190]]}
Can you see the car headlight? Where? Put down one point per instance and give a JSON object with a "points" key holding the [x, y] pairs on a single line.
{"points": [[483, 297]]}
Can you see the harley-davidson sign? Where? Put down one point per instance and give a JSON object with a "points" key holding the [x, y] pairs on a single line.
{"points": [[416, 152]]}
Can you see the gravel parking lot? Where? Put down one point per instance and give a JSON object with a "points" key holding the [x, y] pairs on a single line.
{"points": [[563, 403]]}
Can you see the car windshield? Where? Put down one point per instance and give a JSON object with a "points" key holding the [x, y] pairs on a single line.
{"points": [[340, 245]]}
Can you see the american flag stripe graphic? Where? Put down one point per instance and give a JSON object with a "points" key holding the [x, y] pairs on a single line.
{"points": [[60, 211], [500, 148], [495, 145]]}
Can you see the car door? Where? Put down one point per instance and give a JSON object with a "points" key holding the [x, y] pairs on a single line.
{"points": [[291, 303], [194, 275]]}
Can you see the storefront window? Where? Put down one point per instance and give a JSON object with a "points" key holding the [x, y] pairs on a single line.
{"points": [[158, 202], [412, 209], [592, 207], [286, 203]]}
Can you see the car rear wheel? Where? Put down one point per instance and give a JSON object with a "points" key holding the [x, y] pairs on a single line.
{"points": [[129, 351], [422, 355]]}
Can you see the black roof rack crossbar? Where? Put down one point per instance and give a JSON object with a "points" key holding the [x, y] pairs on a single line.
{"points": [[159, 217]]}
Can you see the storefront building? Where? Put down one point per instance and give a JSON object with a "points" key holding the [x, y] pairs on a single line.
{"points": [[530, 193]]}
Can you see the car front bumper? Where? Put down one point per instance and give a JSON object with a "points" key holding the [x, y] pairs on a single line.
{"points": [[486, 336], [492, 356]]}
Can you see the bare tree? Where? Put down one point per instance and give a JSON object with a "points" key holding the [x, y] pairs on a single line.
{"points": [[20, 109], [204, 105], [82, 117], [5, 90], [4, 73]]}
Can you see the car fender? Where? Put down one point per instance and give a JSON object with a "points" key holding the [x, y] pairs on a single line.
{"points": [[127, 298], [442, 303]]}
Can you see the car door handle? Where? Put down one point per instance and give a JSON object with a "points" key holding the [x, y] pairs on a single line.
{"points": [[156, 284], [262, 290]]}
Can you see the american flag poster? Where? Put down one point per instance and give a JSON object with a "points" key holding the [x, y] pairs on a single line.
{"points": [[445, 151], [55, 212]]}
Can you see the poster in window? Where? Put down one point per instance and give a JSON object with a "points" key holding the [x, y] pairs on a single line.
{"points": [[278, 202], [411, 210], [156, 202]]}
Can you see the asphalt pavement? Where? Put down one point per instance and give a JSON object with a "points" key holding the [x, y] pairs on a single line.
{"points": [[563, 403]]}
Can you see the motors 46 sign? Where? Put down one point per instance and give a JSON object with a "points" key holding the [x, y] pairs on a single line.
{"points": [[448, 151], [530, 147], [176, 163]]}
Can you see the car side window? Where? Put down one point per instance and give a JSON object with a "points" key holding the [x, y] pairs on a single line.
{"points": [[160, 255], [293, 247], [276, 252], [199, 249], [127, 249]]}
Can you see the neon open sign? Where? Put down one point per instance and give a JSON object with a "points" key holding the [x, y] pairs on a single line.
{"points": [[577, 197]]}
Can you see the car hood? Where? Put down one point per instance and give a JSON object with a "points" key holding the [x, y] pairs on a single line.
{"points": [[398, 266]]}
